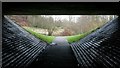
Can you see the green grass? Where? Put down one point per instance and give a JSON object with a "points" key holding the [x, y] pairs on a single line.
{"points": [[45, 38], [49, 39], [75, 38]]}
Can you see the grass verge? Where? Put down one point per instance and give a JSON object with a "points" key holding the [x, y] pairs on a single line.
{"points": [[75, 38], [49, 39], [45, 38]]}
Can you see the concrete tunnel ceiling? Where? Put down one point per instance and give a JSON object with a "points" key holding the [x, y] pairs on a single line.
{"points": [[42, 8]]}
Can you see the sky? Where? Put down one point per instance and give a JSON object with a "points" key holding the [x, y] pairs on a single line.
{"points": [[65, 16]]}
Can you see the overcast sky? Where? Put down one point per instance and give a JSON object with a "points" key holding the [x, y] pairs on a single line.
{"points": [[65, 16]]}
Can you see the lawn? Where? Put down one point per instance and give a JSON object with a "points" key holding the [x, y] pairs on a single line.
{"points": [[45, 38], [49, 39], [75, 38]]}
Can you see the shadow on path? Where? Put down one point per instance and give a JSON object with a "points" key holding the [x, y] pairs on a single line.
{"points": [[60, 55]]}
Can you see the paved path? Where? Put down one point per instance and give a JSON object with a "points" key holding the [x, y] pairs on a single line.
{"points": [[61, 41], [58, 56]]}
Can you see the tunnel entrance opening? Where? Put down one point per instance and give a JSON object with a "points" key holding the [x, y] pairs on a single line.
{"points": [[23, 50], [52, 28]]}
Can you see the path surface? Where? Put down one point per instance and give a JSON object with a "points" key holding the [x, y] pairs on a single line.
{"points": [[61, 41], [58, 56]]}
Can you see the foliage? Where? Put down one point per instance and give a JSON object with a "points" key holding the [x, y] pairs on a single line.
{"points": [[45, 22], [75, 25], [67, 32]]}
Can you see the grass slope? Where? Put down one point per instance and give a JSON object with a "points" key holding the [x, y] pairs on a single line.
{"points": [[49, 39], [45, 38], [75, 38]]}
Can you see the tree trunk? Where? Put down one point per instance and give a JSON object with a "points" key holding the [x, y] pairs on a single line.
{"points": [[50, 32]]}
